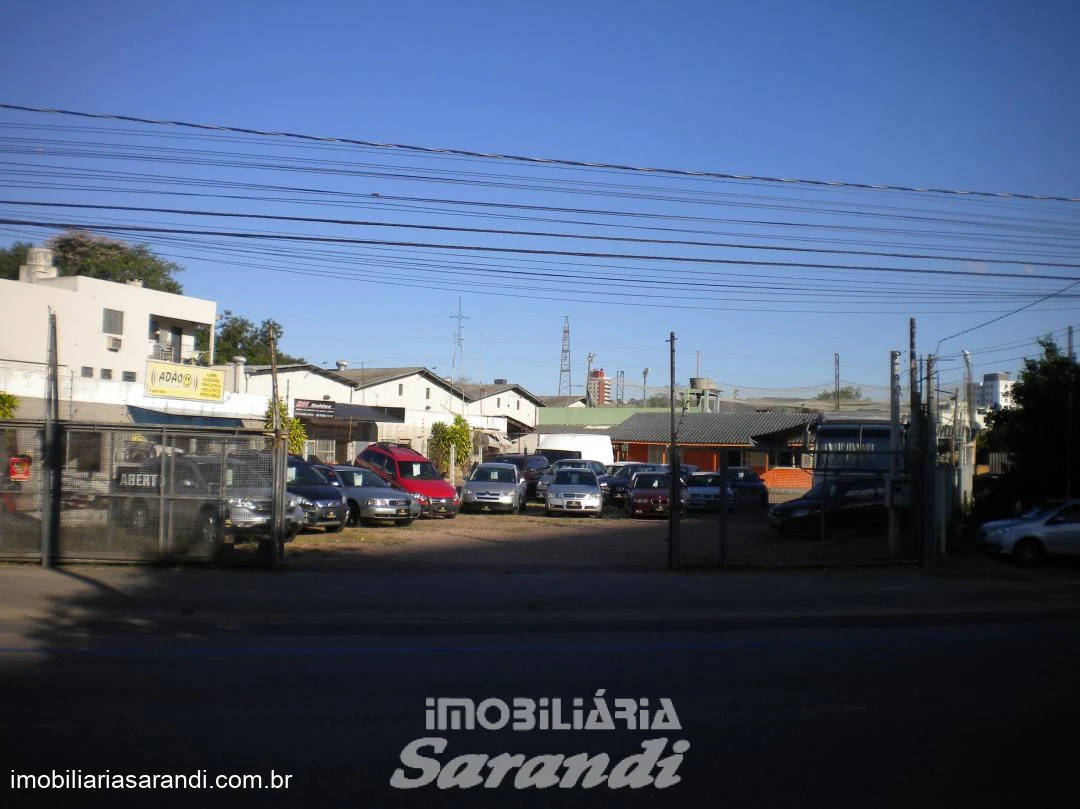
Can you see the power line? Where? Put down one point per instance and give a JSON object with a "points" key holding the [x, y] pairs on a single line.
{"points": [[542, 234], [520, 250], [540, 160]]}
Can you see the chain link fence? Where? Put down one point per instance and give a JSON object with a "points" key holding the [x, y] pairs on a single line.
{"points": [[134, 493]]}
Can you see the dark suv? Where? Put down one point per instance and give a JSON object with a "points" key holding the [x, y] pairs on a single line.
{"points": [[855, 502], [531, 466], [406, 469]]}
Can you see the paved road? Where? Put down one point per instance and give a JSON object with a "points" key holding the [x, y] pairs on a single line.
{"points": [[885, 716]]}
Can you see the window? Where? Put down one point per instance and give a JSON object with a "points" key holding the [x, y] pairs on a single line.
{"points": [[519, 404], [783, 458], [427, 393], [400, 390], [129, 376], [87, 372], [112, 321], [498, 402], [106, 373]]}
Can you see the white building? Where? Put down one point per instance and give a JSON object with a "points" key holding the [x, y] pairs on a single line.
{"points": [[995, 392], [113, 342]]}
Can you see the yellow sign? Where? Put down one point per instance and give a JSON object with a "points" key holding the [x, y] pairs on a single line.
{"points": [[174, 381]]}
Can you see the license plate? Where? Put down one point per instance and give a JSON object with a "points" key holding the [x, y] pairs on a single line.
{"points": [[573, 504], [331, 515], [403, 512]]}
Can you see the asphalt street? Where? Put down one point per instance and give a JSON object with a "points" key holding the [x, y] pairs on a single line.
{"points": [[891, 713]]}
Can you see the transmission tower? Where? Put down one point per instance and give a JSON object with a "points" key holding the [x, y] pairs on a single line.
{"points": [[564, 361]]}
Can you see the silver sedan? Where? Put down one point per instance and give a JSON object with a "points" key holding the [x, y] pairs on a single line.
{"points": [[494, 487], [574, 491]]}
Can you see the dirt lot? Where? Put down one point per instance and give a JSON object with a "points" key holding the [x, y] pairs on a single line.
{"points": [[535, 541]]}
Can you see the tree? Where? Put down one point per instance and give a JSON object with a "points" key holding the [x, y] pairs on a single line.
{"points": [[1036, 430], [11, 258], [77, 252], [444, 436], [9, 403], [238, 336], [296, 435], [847, 393]]}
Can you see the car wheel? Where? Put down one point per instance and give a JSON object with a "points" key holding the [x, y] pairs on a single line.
{"points": [[765, 500], [354, 515], [451, 515], [1029, 552], [599, 515], [403, 523], [335, 529], [547, 511]]}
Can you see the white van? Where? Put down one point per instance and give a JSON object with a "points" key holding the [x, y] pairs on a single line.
{"points": [[592, 447]]}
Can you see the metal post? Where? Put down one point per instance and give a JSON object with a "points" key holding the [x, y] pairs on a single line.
{"points": [[673, 496], [51, 482], [894, 451], [724, 510], [929, 479], [278, 465]]}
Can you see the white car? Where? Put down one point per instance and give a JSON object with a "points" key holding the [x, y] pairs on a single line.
{"points": [[494, 487], [1049, 530], [574, 491]]}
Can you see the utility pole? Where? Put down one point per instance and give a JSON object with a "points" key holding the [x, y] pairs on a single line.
{"points": [[1070, 415], [916, 449], [644, 387], [894, 450], [673, 457], [836, 379], [588, 379]]}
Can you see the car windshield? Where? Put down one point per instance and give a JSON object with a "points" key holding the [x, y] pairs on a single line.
{"points": [[418, 470], [575, 477], [705, 480], [306, 475], [494, 474], [651, 481], [359, 477]]}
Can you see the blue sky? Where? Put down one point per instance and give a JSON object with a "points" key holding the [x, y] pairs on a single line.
{"points": [[960, 95]]}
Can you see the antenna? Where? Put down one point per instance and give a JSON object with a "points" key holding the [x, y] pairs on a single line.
{"points": [[564, 360], [459, 350]]}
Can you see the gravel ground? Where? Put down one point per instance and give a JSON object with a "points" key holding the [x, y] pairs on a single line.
{"points": [[535, 541]]}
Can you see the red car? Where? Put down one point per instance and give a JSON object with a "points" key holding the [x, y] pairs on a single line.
{"points": [[649, 494]]}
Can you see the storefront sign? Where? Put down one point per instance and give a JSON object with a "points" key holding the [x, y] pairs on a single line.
{"points": [[171, 380], [313, 409]]}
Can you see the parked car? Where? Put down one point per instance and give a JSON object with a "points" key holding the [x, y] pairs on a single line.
{"points": [[323, 503], [406, 469], [837, 503], [649, 494], [494, 487], [531, 467], [686, 470], [614, 485], [707, 491], [1046, 531], [211, 499], [748, 486], [368, 498], [542, 483], [574, 491]]}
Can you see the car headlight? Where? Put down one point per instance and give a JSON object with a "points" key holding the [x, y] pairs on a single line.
{"points": [[303, 502], [378, 502], [801, 512], [997, 532], [243, 502]]}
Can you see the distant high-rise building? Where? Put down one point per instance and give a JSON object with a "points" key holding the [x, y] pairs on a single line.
{"points": [[996, 391], [599, 387]]}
